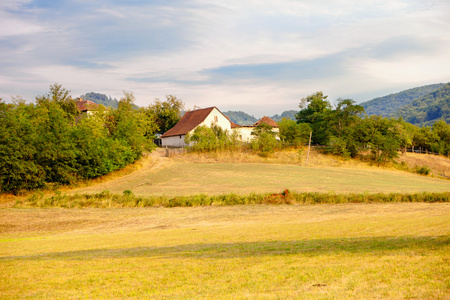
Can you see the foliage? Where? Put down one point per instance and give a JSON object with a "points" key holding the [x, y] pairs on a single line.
{"points": [[388, 105], [293, 134], [429, 108], [128, 199], [315, 110], [424, 170], [213, 138], [49, 143], [167, 113], [264, 141]]}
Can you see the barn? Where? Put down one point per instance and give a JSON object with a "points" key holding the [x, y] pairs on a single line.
{"points": [[175, 137]]}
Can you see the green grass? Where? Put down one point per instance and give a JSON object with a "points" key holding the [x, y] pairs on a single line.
{"points": [[107, 200], [182, 178], [346, 251]]}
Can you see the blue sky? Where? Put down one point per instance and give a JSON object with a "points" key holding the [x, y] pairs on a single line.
{"points": [[258, 56]]}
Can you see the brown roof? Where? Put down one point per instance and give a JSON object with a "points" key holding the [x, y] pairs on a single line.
{"points": [[189, 121], [85, 105], [266, 120]]}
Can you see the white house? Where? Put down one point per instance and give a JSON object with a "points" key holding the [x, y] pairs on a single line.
{"points": [[245, 131], [175, 136]]}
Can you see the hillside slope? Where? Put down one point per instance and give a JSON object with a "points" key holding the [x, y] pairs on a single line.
{"points": [[390, 104], [429, 108]]}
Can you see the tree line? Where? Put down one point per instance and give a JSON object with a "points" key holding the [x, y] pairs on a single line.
{"points": [[50, 142], [342, 129]]}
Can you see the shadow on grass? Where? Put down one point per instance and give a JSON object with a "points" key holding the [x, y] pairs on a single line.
{"points": [[373, 245]]}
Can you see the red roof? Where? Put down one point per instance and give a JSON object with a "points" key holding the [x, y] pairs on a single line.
{"points": [[266, 120], [189, 121], [85, 105]]}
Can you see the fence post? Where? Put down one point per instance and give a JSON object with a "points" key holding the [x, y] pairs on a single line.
{"points": [[309, 147]]}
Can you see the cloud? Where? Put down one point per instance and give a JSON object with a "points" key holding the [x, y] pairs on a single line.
{"points": [[224, 52]]}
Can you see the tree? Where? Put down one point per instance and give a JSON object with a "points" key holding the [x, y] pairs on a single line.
{"points": [[60, 96], [342, 122], [264, 141], [293, 134], [381, 136], [124, 124], [167, 113], [315, 110]]}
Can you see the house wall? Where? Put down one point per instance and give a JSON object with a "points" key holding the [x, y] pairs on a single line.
{"points": [[174, 141], [216, 117], [245, 133]]}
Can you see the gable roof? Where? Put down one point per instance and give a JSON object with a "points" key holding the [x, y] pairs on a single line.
{"points": [[189, 121], [266, 120], [85, 105]]}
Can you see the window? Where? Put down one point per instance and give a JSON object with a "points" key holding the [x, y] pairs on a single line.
{"points": [[216, 119]]}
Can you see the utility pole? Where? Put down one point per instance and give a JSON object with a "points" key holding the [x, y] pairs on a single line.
{"points": [[309, 147]]}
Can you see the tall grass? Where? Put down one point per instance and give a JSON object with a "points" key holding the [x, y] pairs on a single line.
{"points": [[106, 199]]}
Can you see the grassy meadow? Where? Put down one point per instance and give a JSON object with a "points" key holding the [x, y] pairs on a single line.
{"points": [[178, 177], [368, 250], [359, 251]]}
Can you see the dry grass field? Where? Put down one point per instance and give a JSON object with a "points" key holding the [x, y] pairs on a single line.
{"points": [[347, 251], [326, 251], [245, 174]]}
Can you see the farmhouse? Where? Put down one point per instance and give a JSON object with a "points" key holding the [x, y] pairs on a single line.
{"points": [[245, 131], [175, 137], [191, 120], [86, 106]]}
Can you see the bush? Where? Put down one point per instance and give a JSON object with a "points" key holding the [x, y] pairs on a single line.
{"points": [[424, 170]]}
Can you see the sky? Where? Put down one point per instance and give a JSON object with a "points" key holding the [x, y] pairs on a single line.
{"points": [[261, 57]]}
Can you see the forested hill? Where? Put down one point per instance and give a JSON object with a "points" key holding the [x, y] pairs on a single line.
{"points": [[242, 118], [101, 99], [390, 104], [429, 108], [289, 114]]}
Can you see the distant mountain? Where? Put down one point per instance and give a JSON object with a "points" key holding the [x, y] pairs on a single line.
{"points": [[390, 104], [240, 117], [101, 99], [289, 114], [426, 110]]}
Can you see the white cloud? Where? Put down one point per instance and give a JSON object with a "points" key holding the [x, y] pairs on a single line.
{"points": [[231, 53]]}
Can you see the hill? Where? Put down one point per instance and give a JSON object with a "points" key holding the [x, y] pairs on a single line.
{"points": [[101, 99], [240, 117], [428, 109], [289, 114], [390, 104]]}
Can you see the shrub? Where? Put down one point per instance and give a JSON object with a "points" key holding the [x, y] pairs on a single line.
{"points": [[424, 170]]}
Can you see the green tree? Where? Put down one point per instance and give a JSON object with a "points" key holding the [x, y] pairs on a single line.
{"points": [[292, 133], [341, 124], [380, 136], [167, 113], [18, 169], [264, 141], [315, 110], [60, 96]]}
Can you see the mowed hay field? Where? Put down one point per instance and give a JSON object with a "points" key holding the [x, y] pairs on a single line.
{"points": [[176, 178], [346, 251]]}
